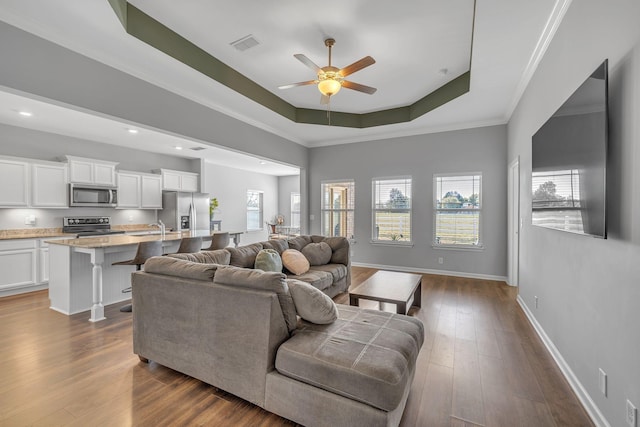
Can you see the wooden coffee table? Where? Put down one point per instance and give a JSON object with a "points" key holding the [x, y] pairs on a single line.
{"points": [[401, 289]]}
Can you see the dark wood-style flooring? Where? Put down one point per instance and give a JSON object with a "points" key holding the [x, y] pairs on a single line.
{"points": [[481, 365]]}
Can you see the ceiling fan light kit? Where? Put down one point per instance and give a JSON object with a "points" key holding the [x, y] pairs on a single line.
{"points": [[331, 79]]}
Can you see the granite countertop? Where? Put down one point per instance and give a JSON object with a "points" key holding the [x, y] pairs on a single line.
{"points": [[44, 233], [124, 240]]}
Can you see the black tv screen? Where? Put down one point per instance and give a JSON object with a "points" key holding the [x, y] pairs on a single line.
{"points": [[569, 162]]}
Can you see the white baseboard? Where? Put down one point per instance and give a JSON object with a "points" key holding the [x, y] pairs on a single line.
{"points": [[23, 290], [592, 409], [429, 271]]}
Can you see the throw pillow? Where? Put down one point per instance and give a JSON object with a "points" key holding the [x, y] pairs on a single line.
{"points": [[317, 253], [311, 303], [268, 260], [295, 262]]}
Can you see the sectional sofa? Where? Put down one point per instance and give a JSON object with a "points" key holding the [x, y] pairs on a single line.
{"points": [[242, 330]]}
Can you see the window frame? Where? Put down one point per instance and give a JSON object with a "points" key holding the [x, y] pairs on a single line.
{"points": [[459, 246], [295, 212], [374, 240], [323, 209], [260, 210]]}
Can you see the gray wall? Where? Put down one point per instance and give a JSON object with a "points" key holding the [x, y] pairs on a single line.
{"points": [[588, 288], [33, 144], [472, 150], [286, 186], [230, 187]]}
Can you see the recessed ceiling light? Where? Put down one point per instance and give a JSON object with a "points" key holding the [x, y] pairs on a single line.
{"points": [[134, 131], [25, 113], [177, 147], [263, 163]]}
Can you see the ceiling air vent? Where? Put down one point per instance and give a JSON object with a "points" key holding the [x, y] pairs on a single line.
{"points": [[197, 148], [245, 43]]}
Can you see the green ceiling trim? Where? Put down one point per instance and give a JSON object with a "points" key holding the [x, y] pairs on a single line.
{"points": [[145, 28], [120, 8]]}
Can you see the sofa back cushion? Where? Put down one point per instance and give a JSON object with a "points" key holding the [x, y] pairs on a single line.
{"points": [[299, 242], [263, 280], [279, 245], [219, 256], [175, 267], [317, 253], [244, 256]]}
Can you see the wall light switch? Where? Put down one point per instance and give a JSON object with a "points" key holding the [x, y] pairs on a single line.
{"points": [[312, 217], [602, 382]]}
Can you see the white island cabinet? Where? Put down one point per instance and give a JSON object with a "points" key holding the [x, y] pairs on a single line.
{"points": [[82, 277]]}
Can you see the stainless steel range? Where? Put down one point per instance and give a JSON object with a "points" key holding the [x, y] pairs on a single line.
{"points": [[88, 226]]}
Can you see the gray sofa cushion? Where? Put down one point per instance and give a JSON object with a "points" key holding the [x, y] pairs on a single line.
{"points": [[338, 271], [175, 267], [365, 355], [219, 256], [244, 256], [317, 278], [263, 280], [279, 245], [299, 242], [311, 303], [317, 253]]}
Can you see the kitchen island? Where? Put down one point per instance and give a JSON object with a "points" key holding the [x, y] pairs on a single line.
{"points": [[82, 278]]}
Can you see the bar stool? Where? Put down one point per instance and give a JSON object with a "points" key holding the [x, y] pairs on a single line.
{"points": [[190, 245], [145, 251], [219, 241]]}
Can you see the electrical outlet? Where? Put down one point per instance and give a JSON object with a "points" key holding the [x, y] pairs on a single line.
{"points": [[536, 301], [602, 381], [631, 414], [440, 260]]}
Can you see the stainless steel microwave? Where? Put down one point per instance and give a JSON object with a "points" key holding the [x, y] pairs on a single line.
{"points": [[87, 195]]}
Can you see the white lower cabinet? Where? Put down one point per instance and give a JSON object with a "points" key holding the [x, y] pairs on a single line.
{"points": [[18, 264]]}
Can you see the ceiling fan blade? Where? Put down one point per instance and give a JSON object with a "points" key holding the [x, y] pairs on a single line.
{"points": [[357, 86], [306, 61], [357, 66], [310, 82], [324, 99]]}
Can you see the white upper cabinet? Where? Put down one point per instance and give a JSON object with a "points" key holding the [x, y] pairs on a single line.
{"points": [[139, 191], [151, 192], [49, 185], [91, 171], [179, 181], [129, 190], [14, 183]]}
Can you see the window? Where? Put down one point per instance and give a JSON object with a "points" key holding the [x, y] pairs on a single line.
{"points": [[392, 210], [295, 210], [457, 205], [254, 210], [337, 208]]}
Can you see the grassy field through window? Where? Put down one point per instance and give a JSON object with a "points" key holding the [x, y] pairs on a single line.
{"points": [[457, 228]]}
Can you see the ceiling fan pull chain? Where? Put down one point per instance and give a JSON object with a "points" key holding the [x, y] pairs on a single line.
{"points": [[329, 111]]}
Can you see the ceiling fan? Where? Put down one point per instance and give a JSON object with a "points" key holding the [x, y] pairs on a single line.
{"points": [[331, 79]]}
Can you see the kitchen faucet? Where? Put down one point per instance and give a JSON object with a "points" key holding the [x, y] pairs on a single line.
{"points": [[161, 226]]}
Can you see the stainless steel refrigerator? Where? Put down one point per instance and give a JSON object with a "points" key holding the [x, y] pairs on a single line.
{"points": [[185, 211]]}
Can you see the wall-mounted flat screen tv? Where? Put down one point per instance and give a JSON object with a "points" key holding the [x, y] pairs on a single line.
{"points": [[569, 162]]}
